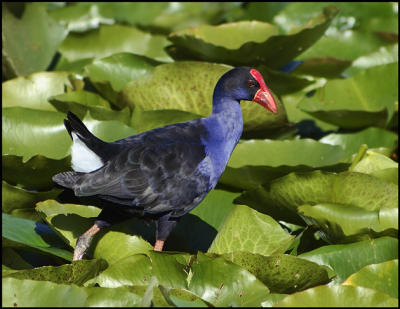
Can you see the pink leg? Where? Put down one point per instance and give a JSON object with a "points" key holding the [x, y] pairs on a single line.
{"points": [[158, 246]]}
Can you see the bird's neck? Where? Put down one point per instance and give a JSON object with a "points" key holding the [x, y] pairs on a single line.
{"points": [[227, 114], [224, 127]]}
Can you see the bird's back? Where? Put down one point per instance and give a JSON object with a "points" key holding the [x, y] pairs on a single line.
{"points": [[164, 169]]}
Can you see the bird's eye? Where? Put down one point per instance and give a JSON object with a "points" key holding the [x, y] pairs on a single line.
{"points": [[251, 83]]}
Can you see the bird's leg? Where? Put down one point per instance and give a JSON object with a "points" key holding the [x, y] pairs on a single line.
{"points": [[164, 227], [158, 246], [85, 239]]}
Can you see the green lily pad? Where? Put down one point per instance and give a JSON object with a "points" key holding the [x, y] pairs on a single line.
{"points": [[29, 42], [282, 197], [344, 44], [296, 115], [111, 244], [143, 121], [373, 161], [223, 283], [36, 173], [31, 132], [247, 42], [328, 67], [364, 99], [383, 277], [255, 162], [79, 102], [131, 270], [388, 174], [76, 273], [351, 142], [12, 261], [77, 66], [14, 198], [112, 39], [68, 220], [170, 268], [281, 273], [79, 17], [384, 55], [164, 88], [248, 230], [197, 230], [33, 234], [338, 296], [108, 131], [29, 293], [33, 90], [350, 258], [108, 75], [370, 16], [272, 153], [347, 220], [119, 69]]}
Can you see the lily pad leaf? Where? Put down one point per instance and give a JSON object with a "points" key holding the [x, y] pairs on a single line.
{"points": [[36, 173], [79, 102], [383, 277], [223, 283], [143, 121], [281, 273], [130, 270], [338, 296], [33, 234], [286, 194], [119, 69], [29, 42], [248, 230], [30, 293], [110, 74], [197, 230], [164, 88], [364, 99], [349, 258], [384, 55], [110, 244], [328, 67], [247, 42], [80, 17], [347, 219], [76, 273], [112, 39], [14, 198], [33, 91], [254, 162], [351, 142], [373, 161], [31, 132]]}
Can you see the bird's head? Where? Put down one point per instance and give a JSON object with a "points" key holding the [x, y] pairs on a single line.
{"points": [[244, 83]]}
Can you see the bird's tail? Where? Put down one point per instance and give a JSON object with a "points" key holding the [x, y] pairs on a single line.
{"points": [[66, 179], [75, 125]]}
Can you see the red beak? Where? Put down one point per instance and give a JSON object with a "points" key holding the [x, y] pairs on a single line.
{"points": [[265, 99], [263, 95]]}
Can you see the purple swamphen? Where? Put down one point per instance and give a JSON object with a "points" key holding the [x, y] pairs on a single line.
{"points": [[165, 172]]}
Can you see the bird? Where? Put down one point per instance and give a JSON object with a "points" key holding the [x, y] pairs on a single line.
{"points": [[165, 172]]}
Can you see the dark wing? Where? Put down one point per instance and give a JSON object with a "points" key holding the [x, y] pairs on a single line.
{"points": [[165, 169]]}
